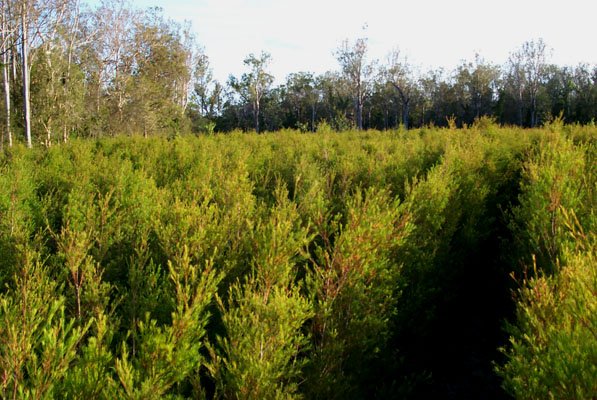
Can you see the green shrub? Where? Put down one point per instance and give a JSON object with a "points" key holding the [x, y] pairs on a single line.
{"points": [[552, 352], [283, 265]]}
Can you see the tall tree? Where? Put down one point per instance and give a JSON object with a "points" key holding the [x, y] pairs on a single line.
{"points": [[535, 55], [516, 82], [353, 61], [42, 28], [526, 74], [439, 100], [207, 92], [585, 93], [560, 90], [203, 77], [157, 91], [384, 103], [476, 86], [6, 38], [74, 40], [110, 65], [254, 84], [25, 70], [336, 103], [301, 98], [57, 81], [398, 72]]}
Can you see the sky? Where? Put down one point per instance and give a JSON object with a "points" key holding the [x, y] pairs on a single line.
{"points": [[301, 35]]}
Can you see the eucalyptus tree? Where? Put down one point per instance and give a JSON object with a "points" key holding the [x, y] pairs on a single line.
{"points": [[184, 85], [353, 61], [438, 102], [302, 96], [57, 85], [559, 90], [203, 78], [207, 94], [535, 55], [25, 72], [158, 88], [110, 62], [48, 35], [476, 84], [526, 75], [7, 39], [516, 82], [383, 103], [585, 93], [398, 72], [254, 84], [336, 99], [73, 41]]}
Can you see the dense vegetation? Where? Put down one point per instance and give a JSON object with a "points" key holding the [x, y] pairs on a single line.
{"points": [[73, 70], [284, 265]]}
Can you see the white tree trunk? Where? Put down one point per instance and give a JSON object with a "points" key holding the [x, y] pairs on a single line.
{"points": [[25, 72], [5, 75]]}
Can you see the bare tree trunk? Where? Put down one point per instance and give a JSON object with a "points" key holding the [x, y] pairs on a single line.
{"points": [[477, 107], [5, 74], [71, 45], [25, 71], [533, 111], [405, 105], [359, 107], [520, 107], [7, 112], [360, 114], [256, 115], [13, 54], [405, 113], [47, 125]]}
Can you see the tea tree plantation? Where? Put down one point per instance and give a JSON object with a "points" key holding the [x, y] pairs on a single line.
{"points": [[432, 263]]}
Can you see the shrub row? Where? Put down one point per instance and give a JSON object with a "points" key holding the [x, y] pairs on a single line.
{"points": [[339, 265]]}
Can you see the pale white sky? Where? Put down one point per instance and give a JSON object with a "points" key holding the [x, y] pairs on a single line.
{"points": [[301, 34]]}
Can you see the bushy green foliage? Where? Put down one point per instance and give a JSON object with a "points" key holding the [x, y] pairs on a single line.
{"points": [[552, 350], [291, 265], [558, 176], [354, 288], [260, 355], [39, 342], [167, 355]]}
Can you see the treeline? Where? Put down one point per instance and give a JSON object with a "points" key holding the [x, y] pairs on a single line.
{"points": [[357, 265], [526, 91], [72, 70]]}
